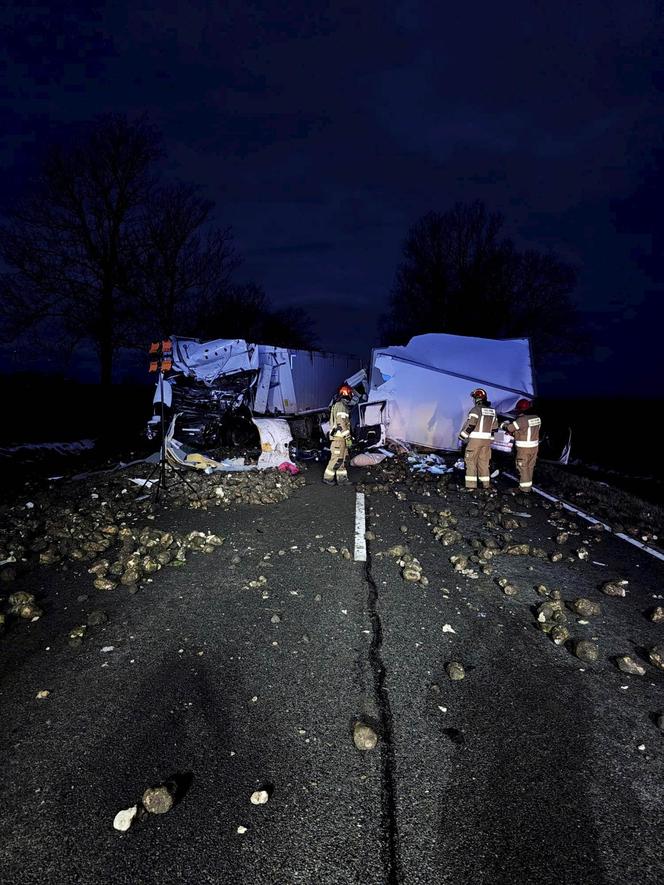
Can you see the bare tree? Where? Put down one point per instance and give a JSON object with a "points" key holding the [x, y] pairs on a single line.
{"points": [[66, 243], [178, 265], [459, 275], [289, 327], [244, 311]]}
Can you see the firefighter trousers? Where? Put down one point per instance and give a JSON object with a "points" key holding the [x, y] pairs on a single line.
{"points": [[525, 464], [477, 457], [336, 467]]}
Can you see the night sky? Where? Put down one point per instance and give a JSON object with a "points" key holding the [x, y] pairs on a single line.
{"points": [[323, 130]]}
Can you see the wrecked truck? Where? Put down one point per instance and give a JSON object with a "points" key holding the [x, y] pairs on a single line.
{"points": [[229, 392], [417, 395]]}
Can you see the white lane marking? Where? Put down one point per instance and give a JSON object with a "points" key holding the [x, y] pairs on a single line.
{"points": [[589, 518], [360, 523]]}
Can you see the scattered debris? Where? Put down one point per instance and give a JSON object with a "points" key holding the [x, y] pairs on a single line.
{"points": [[585, 608], [364, 737], [455, 671], [74, 522], [656, 656], [657, 614], [158, 800], [259, 797], [125, 818], [75, 637], [614, 588], [627, 664], [559, 634], [586, 651]]}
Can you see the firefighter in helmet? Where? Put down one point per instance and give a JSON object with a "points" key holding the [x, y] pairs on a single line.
{"points": [[525, 428], [478, 432], [340, 439]]}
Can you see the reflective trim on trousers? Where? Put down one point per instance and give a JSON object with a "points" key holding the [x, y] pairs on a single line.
{"points": [[522, 444], [476, 434], [525, 485]]}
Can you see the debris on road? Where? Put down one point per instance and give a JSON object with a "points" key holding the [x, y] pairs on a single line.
{"points": [[98, 522], [585, 608], [559, 634], [75, 637], [586, 651], [125, 818], [259, 797], [158, 800], [627, 664], [364, 737], [411, 569], [656, 656], [657, 614], [41, 695], [455, 671], [23, 605], [614, 588]]}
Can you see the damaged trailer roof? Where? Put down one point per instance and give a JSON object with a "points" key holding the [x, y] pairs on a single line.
{"points": [[422, 390]]}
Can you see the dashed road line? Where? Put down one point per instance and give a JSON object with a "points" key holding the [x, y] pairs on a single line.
{"points": [[587, 516], [360, 523]]}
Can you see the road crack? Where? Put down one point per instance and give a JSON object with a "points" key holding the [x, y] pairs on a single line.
{"points": [[392, 856]]}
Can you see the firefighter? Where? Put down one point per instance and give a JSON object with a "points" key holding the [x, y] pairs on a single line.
{"points": [[525, 428], [340, 439], [478, 433]]}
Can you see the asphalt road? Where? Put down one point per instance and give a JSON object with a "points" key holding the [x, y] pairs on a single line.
{"points": [[528, 770]]}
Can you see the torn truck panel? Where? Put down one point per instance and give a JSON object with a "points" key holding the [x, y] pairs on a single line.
{"points": [[423, 388], [278, 380], [209, 360], [216, 387]]}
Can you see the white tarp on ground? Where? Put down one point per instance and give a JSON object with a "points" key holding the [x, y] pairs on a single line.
{"points": [[275, 437], [426, 384]]}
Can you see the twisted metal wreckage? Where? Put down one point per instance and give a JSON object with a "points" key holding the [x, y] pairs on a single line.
{"points": [[231, 392]]}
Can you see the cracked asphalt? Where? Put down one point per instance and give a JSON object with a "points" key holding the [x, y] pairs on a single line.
{"points": [[528, 770]]}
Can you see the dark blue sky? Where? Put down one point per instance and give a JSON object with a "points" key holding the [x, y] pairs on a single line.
{"points": [[323, 130]]}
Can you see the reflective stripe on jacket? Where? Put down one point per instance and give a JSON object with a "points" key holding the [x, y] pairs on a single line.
{"points": [[526, 430], [480, 423]]}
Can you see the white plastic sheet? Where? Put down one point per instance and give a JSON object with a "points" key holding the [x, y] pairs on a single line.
{"points": [[275, 438], [367, 459]]}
